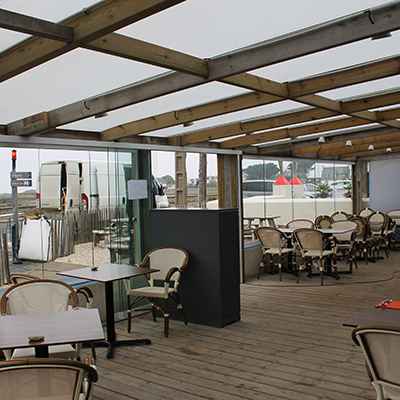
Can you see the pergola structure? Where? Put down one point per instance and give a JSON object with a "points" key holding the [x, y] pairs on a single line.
{"points": [[296, 133]]}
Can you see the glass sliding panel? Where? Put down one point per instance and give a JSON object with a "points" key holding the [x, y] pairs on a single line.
{"points": [[163, 173], [342, 188], [212, 180]]}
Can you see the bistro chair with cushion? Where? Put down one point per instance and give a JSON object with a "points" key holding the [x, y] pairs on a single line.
{"points": [[345, 243], [162, 286], [274, 246], [340, 216], [363, 243], [312, 247], [323, 222], [46, 379], [378, 223], [300, 223], [43, 296], [381, 350]]}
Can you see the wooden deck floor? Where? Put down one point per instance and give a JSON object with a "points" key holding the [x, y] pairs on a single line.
{"points": [[289, 345]]}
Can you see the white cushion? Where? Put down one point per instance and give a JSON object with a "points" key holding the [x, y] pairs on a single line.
{"points": [[151, 291], [61, 350], [317, 253]]}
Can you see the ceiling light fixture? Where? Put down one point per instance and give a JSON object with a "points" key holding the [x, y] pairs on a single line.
{"points": [[389, 150], [371, 147], [349, 143], [321, 139]]}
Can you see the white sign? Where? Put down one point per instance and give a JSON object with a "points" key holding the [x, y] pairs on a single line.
{"points": [[137, 189]]}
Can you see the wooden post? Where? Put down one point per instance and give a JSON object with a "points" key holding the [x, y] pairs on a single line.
{"points": [[227, 181], [203, 180], [360, 184], [180, 180]]}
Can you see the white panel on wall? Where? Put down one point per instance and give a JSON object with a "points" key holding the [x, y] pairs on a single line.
{"points": [[384, 187]]}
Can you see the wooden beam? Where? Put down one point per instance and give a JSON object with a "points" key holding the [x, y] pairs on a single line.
{"points": [[35, 26], [339, 78], [300, 43], [227, 166], [288, 118], [138, 50], [88, 25], [371, 153], [309, 129]]}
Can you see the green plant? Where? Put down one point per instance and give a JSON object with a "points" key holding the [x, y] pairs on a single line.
{"points": [[348, 187], [323, 190]]}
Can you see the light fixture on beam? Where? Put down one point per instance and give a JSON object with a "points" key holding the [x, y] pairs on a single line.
{"points": [[321, 139], [348, 143], [101, 115], [389, 150], [382, 36], [371, 147]]}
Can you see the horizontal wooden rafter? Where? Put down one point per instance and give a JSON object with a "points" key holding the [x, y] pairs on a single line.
{"points": [[309, 129], [371, 153], [316, 38], [35, 26], [88, 25]]}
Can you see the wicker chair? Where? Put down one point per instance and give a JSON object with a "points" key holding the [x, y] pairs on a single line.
{"points": [[19, 278], [378, 223], [323, 222], [380, 347], [340, 216], [40, 296], [312, 247], [363, 243], [366, 212], [345, 243], [171, 263], [274, 244], [300, 223], [34, 379]]}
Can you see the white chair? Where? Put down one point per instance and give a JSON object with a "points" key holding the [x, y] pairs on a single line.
{"points": [[46, 379], [162, 285], [40, 297], [380, 347], [312, 247], [274, 244]]}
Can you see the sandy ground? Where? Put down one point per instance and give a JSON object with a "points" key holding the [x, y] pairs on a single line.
{"points": [[83, 255]]}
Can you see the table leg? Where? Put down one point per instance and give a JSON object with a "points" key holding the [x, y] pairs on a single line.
{"points": [[112, 341], [42, 351]]}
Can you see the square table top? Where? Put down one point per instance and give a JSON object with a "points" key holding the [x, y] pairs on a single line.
{"points": [[377, 317], [74, 326], [108, 272]]}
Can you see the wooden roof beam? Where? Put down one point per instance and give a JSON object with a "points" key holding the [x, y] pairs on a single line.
{"points": [[320, 37], [92, 23], [35, 26]]}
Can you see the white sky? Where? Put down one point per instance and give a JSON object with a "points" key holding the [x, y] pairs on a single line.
{"points": [[204, 28]]}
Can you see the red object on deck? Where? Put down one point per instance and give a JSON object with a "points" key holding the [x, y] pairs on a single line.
{"points": [[389, 304], [296, 181], [14, 155], [281, 180]]}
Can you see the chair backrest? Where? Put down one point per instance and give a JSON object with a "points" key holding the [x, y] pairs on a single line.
{"points": [[309, 239], [300, 223], [323, 222], [270, 238], [164, 260], [19, 278], [348, 226], [339, 216], [37, 379], [381, 349], [361, 230], [38, 296], [366, 212], [377, 222], [395, 216]]}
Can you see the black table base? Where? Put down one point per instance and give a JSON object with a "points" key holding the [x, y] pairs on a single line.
{"points": [[120, 343]]}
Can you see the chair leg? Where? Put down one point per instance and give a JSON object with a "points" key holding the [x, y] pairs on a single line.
{"points": [[154, 312], [280, 272], [93, 349], [321, 271], [129, 320], [166, 325]]}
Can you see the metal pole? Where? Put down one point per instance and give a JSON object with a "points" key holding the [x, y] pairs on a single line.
{"points": [[14, 195]]}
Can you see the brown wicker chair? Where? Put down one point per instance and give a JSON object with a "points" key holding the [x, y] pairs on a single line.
{"points": [[380, 347], [300, 223], [171, 263], [378, 223], [312, 247], [340, 216], [274, 244], [323, 222], [46, 379], [363, 244], [366, 212]]}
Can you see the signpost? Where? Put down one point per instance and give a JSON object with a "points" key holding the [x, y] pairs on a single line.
{"points": [[17, 179]]}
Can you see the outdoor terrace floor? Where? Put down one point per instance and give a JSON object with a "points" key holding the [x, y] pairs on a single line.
{"points": [[290, 344]]}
